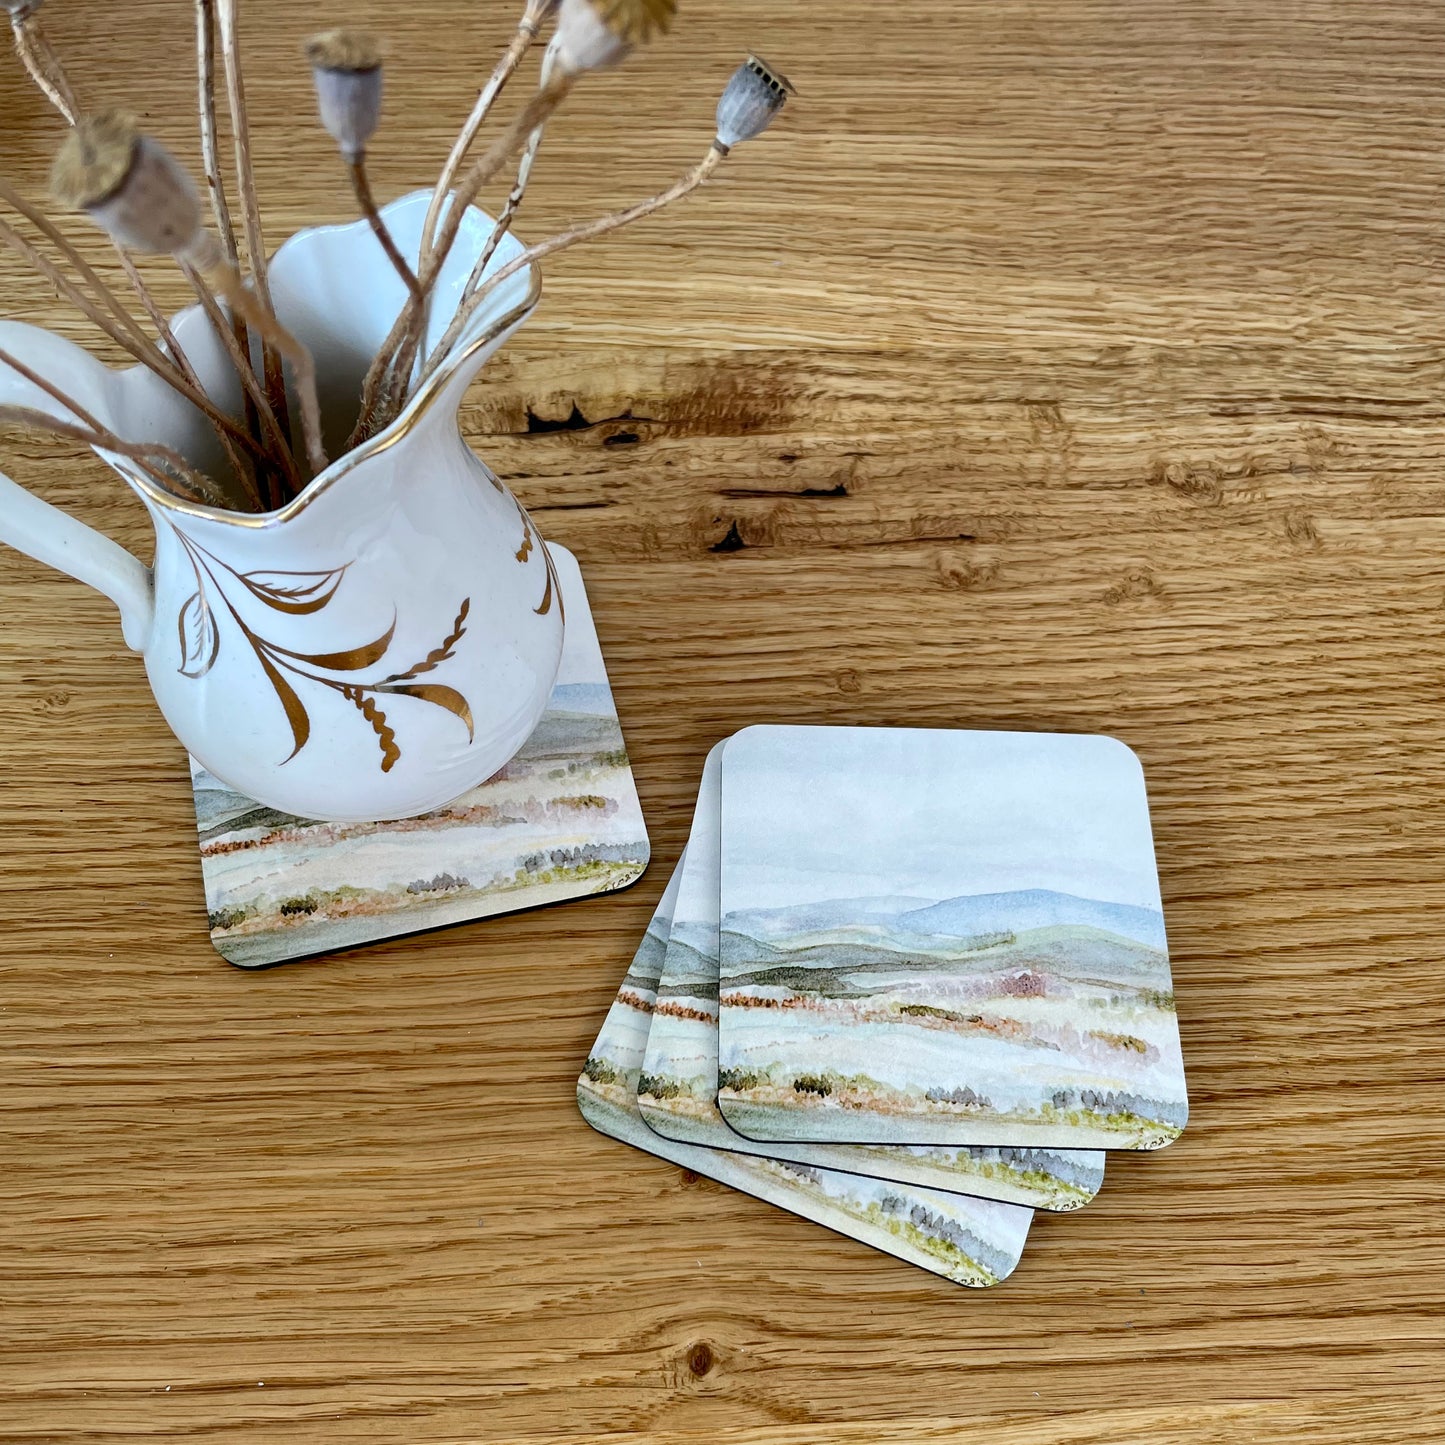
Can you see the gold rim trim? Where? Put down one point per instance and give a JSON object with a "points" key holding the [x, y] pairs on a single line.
{"points": [[398, 431]]}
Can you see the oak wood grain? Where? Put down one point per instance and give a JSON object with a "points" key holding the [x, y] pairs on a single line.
{"points": [[1054, 366]]}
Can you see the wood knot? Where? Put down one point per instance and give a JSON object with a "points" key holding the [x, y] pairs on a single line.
{"points": [[1199, 482], [1300, 529], [700, 1359], [1136, 586], [963, 576], [848, 681]]}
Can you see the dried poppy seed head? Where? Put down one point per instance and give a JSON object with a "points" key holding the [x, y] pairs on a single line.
{"points": [[344, 50], [637, 21], [592, 34], [129, 185], [346, 70], [94, 159], [753, 97]]}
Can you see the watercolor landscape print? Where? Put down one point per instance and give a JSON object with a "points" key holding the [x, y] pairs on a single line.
{"points": [[677, 1088], [561, 820], [972, 1242], [934, 937]]}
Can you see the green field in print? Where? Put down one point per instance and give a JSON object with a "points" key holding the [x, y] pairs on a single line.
{"points": [[677, 1089], [1038, 1015], [971, 1241], [561, 820]]}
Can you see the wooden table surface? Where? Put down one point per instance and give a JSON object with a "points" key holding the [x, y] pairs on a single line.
{"points": [[1052, 366]]}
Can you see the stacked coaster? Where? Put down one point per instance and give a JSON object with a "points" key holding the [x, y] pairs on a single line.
{"points": [[909, 984]]}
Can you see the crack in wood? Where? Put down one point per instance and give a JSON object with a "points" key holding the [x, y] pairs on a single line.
{"points": [[576, 421]]}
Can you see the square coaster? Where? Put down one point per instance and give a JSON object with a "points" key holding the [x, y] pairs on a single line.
{"points": [[935, 937], [561, 820], [973, 1242], [677, 1088]]}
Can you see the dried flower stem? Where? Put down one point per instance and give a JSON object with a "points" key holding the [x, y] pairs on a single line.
{"points": [[108, 438], [527, 30], [279, 450], [143, 351], [211, 165], [147, 454], [250, 208], [397, 353], [592, 229], [210, 143], [220, 207], [398, 380], [509, 211], [107, 296], [45, 69], [42, 64], [367, 204], [260, 318], [244, 473], [157, 316], [57, 238], [43, 383]]}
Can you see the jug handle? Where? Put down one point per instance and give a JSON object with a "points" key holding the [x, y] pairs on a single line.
{"points": [[51, 536]]}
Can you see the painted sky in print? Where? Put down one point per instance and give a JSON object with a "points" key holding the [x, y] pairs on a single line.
{"points": [[1068, 822]]}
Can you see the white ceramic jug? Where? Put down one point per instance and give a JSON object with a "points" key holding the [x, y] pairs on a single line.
{"points": [[388, 639]]}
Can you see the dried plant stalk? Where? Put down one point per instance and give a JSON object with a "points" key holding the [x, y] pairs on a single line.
{"points": [[260, 318], [246, 193], [87, 273], [244, 473], [398, 351], [211, 149], [104, 435], [527, 30], [397, 385], [143, 351], [135, 190], [210, 143], [592, 229], [198, 488], [509, 211], [87, 419], [366, 202], [220, 206], [43, 383], [112, 302], [157, 316], [279, 448], [45, 69], [41, 62]]}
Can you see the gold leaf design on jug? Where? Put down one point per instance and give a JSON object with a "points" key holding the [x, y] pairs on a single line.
{"points": [[299, 594]]}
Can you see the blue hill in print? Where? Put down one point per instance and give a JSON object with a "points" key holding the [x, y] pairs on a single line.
{"points": [[1031, 908], [979, 1020], [901, 922], [770, 923]]}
